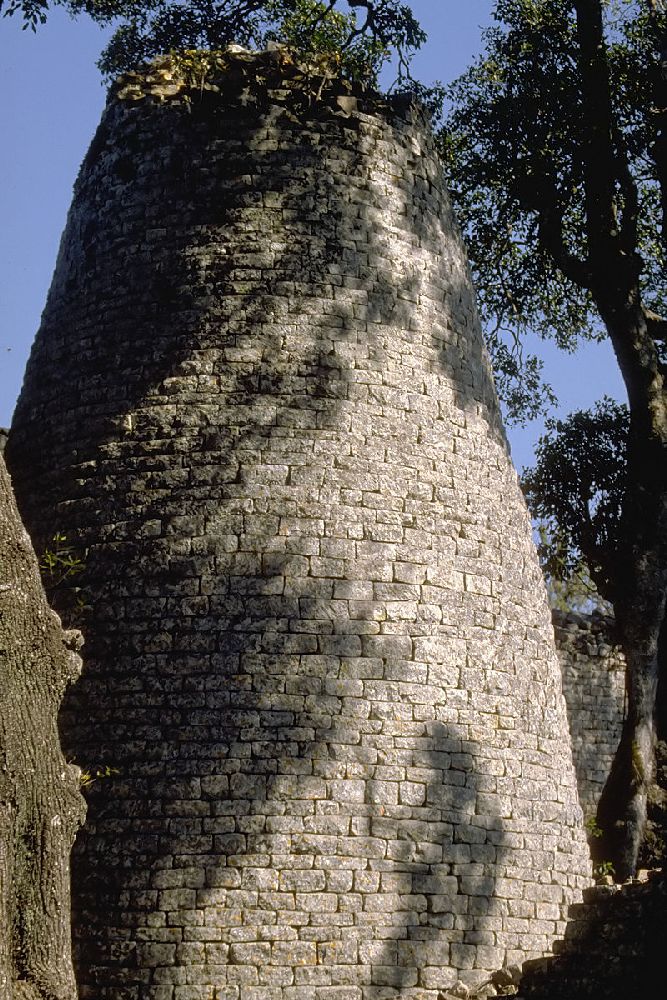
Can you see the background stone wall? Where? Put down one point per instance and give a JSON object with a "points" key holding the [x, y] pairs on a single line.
{"points": [[319, 657], [593, 670]]}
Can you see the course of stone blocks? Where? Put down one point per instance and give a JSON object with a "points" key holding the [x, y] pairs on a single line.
{"points": [[613, 948], [593, 669], [319, 661]]}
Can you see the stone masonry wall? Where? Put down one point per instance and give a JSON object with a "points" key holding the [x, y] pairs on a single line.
{"points": [[593, 669], [319, 657], [614, 947]]}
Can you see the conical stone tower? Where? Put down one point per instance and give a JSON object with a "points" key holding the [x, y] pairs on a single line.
{"points": [[319, 662]]}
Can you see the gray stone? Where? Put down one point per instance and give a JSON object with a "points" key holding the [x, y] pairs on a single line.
{"points": [[593, 668], [318, 654]]}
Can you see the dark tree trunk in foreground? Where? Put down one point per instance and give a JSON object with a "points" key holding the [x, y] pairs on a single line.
{"points": [[558, 146], [614, 269], [640, 611], [41, 806]]}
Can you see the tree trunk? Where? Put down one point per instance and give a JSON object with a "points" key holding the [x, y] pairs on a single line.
{"points": [[41, 806], [656, 9], [641, 599], [623, 808], [615, 267]]}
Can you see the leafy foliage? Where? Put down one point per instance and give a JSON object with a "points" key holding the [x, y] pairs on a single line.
{"points": [[58, 564], [35, 12], [576, 489], [89, 776], [567, 577], [382, 30], [514, 144]]}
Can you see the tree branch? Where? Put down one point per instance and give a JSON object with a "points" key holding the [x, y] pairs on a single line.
{"points": [[599, 159], [659, 149], [656, 325], [322, 16], [550, 236], [630, 217]]}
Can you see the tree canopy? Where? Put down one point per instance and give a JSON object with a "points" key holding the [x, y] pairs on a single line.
{"points": [[556, 147], [518, 147], [576, 490], [364, 33]]}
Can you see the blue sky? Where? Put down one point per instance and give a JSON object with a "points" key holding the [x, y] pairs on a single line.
{"points": [[52, 99]]}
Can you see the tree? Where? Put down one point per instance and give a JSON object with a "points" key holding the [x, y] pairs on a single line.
{"points": [[576, 490], [557, 145], [41, 806], [556, 151], [145, 29]]}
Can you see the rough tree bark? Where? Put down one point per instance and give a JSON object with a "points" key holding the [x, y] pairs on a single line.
{"points": [[639, 605], [614, 278], [656, 8], [611, 270], [41, 806]]}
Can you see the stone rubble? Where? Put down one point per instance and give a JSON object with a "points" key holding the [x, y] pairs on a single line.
{"points": [[613, 947]]}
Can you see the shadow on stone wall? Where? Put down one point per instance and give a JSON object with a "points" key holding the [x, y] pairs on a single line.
{"points": [[613, 947], [237, 680], [181, 707], [450, 915], [593, 670]]}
